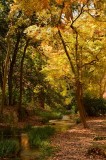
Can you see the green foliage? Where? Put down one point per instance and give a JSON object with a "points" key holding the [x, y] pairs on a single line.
{"points": [[48, 115], [73, 109], [62, 110], [53, 98], [38, 135], [9, 148], [38, 138], [46, 150], [94, 106]]}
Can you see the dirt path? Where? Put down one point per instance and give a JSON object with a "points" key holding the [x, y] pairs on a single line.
{"points": [[74, 144]]}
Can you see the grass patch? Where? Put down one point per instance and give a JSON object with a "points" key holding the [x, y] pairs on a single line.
{"points": [[39, 134], [39, 139], [46, 151], [9, 148]]}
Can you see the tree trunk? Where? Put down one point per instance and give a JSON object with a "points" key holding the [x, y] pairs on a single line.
{"points": [[77, 74], [5, 76], [79, 100], [42, 98], [10, 77], [21, 82], [1, 82]]}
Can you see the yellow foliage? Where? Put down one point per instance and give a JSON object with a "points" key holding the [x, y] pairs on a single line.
{"points": [[67, 101], [30, 6]]}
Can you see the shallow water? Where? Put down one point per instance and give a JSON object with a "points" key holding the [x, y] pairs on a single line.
{"points": [[64, 124], [27, 153], [61, 125], [32, 154]]}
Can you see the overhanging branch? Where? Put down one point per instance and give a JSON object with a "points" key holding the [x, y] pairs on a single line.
{"points": [[65, 49]]}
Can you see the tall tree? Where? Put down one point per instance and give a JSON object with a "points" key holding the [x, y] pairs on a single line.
{"points": [[71, 18], [21, 81], [5, 45]]}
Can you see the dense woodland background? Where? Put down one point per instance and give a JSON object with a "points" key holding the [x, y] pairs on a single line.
{"points": [[53, 56], [52, 79]]}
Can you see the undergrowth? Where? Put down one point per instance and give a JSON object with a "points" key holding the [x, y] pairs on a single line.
{"points": [[39, 134], [39, 139], [9, 148], [48, 115]]}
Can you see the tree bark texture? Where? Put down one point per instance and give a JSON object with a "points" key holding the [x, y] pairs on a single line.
{"points": [[42, 98], [21, 82], [79, 100], [6, 63], [11, 70]]}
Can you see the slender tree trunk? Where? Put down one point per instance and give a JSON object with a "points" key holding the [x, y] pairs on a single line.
{"points": [[10, 77], [21, 82], [102, 86], [42, 98], [100, 90], [42, 103], [79, 89], [79, 100], [77, 74], [1, 82], [5, 75]]}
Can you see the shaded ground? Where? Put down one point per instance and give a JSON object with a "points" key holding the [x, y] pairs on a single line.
{"points": [[74, 144], [11, 118]]}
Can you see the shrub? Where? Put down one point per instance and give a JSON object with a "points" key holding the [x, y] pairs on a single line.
{"points": [[39, 134], [48, 115], [46, 150], [95, 106], [9, 148]]}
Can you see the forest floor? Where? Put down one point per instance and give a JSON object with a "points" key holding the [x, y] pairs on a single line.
{"points": [[78, 143]]}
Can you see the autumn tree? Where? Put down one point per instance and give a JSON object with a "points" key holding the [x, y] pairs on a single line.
{"points": [[68, 20]]}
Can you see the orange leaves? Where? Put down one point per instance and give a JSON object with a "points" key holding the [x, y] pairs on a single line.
{"points": [[30, 6], [59, 1], [82, 1], [70, 1]]}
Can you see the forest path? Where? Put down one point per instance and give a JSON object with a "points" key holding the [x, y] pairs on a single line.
{"points": [[74, 143]]}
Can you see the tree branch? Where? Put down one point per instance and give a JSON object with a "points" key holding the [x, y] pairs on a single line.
{"points": [[67, 54], [90, 63]]}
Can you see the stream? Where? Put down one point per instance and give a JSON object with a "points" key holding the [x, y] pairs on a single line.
{"points": [[61, 125], [26, 152], [32, 154]]}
